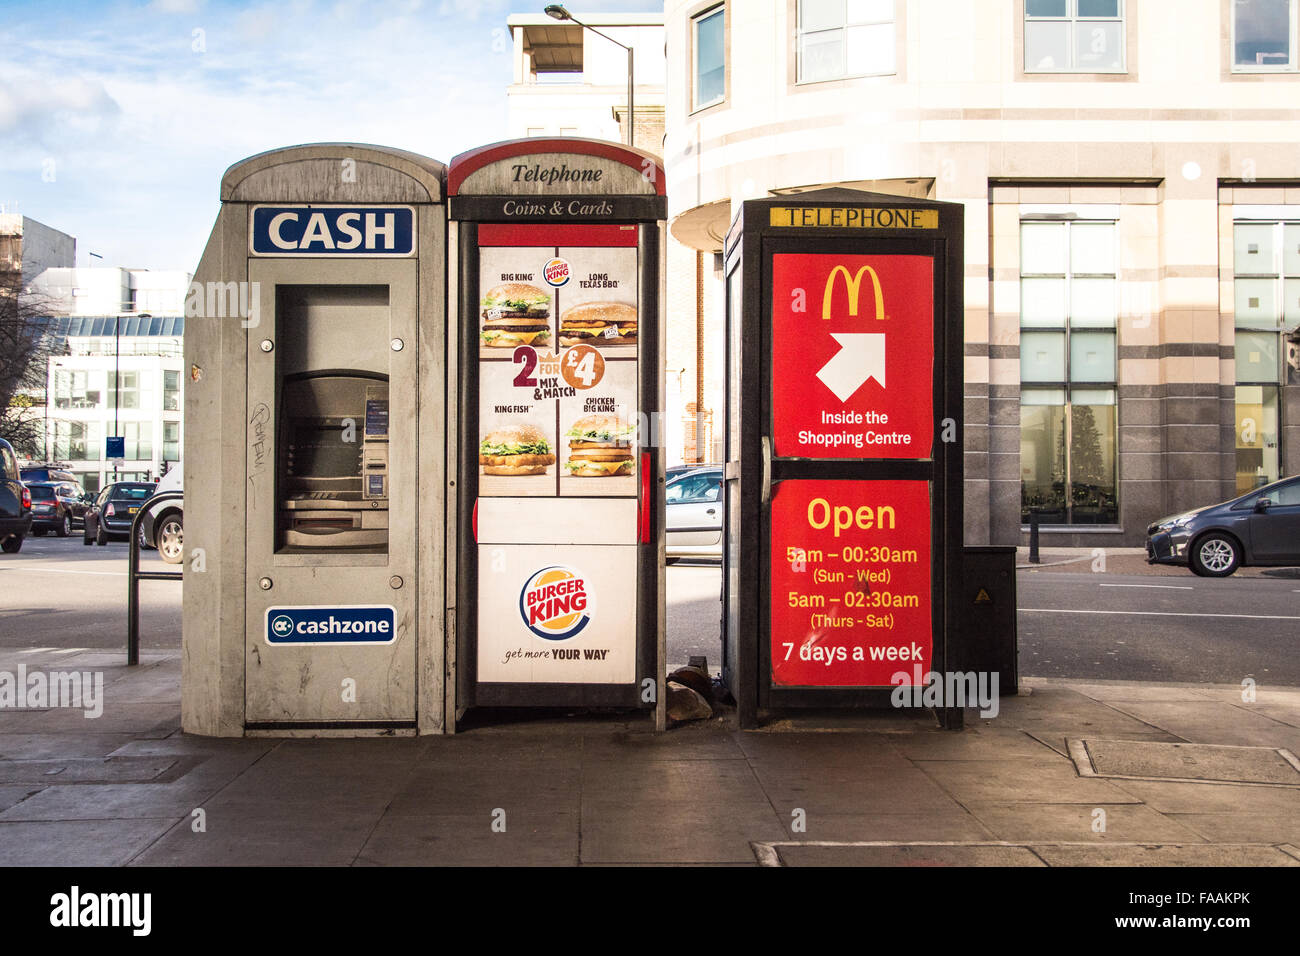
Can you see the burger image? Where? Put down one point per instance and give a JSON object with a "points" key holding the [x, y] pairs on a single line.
{"points": [[515, 450], [600, 446], [516, 313], [599, 323]]}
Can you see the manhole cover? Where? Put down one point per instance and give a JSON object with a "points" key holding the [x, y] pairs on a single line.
{"points": [[1209, 763]]}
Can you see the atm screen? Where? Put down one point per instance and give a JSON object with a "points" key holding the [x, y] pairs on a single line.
{"points": [[319, 451]]}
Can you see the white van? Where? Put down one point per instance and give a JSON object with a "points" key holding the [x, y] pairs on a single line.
{"points": [[163, 526]]}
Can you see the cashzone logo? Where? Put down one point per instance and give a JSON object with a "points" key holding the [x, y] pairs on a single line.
{"points": [[349, 624]]}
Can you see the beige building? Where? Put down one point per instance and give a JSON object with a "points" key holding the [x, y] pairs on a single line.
{"points": [[1131, 172]]}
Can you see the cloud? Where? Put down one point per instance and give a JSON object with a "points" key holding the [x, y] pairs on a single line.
{"points": [[176, 6], [470, 9], [33, 107]]}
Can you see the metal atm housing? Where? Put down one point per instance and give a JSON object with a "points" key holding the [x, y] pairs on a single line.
{"points": [[315, 449]]}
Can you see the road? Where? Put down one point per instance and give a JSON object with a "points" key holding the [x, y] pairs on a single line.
{"points": [[1178, 628], [1169, 627], [56, 592]]}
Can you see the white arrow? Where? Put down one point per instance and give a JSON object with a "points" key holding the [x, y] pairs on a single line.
{"points": [[862, 357]]}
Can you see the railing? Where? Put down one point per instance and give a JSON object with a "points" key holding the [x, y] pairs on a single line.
{"points": [[134, 576]]}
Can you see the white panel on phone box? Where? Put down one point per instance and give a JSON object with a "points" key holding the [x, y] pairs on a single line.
{"points": [[556, 615], [557, 520]]}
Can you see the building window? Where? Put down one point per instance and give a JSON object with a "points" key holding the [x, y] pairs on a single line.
{"points": [[171, 391], [76, 389], [76, 441], [139, 440], [1266, 293], [171, 450], [710, 46], [1263, 36], [135, 390], [843, 38], [1068, 412], [1074, 36]]}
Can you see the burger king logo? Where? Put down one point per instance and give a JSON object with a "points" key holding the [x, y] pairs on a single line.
{"points": [[555, 603], [556, 273]]}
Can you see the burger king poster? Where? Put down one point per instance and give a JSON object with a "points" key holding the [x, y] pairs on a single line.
{"points": [[556, 615], [557, 361]]}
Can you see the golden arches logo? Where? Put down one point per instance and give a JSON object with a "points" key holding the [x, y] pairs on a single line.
{"points": [[852, 285]]}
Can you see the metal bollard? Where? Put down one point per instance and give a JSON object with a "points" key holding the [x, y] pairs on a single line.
{"points": [[1033, 536]]}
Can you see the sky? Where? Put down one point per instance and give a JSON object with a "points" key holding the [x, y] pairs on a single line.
{"points": [[117, 119]]}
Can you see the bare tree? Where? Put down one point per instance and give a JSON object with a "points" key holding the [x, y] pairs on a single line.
{"points": [[25, 348]]}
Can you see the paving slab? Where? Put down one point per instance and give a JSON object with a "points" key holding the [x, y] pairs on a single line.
{"points": [[85, 770], [1211, 723], [467, 788], [77, 843], [1065, 822], [1130, 690], [669, 780], [1207, 854], [533, 837], [109, 802], [1210, 762], [848, 827], [854, 791], [56, 746], [823, 750], [1053, 709], [1171, 797], [1242, 827], [684, 743], [122, 718], [872, 856], [1020, 781], [978, 743], [243, 839], [667, 832], [1060, 743], [11, 794]]}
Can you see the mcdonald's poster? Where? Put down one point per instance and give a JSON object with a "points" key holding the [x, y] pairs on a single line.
{"points": [[853, 359]]}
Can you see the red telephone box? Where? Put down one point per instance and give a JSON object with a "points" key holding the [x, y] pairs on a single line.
{"points": [[843, 447]]}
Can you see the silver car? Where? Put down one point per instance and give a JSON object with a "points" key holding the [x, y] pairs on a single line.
{"points": [[694, 524]]}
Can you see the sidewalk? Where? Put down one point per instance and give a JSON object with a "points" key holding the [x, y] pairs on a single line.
{"points": [[875, 788]]}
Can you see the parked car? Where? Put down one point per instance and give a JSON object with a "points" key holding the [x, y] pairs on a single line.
{"points": [[673, 471], [1261, 528], [56, 506], [693, 501], [163, 525], [15, 502], [113, 510], [49, 472]]}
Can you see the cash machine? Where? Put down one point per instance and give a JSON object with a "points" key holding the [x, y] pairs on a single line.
{"points": [[313, 604]]}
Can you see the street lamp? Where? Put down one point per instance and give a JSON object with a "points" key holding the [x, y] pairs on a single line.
{"points": [[556, 11]]}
